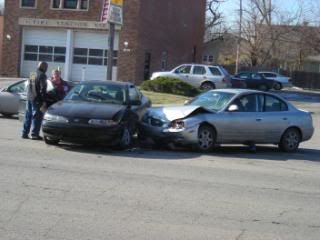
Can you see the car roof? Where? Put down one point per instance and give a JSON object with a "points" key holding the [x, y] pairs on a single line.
{"points": [[241, 91], [236, 90], [115, 83], [248, 72], [268, 72], [203, 65]]}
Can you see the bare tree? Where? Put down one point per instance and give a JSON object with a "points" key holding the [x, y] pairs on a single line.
{"points": [[263, 29], [215, 20]]}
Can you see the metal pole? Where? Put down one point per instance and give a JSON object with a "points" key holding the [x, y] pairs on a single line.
{"points": [[110, 50], [239, 39]]}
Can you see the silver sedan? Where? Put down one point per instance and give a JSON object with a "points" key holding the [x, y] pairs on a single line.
{"points": [[230, 116], [10, 97]]}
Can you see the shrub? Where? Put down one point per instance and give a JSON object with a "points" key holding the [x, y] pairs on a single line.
{"points": [[170, 85]]}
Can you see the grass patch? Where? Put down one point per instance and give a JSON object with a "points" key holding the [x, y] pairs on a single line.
{"points": [[164, 98]]}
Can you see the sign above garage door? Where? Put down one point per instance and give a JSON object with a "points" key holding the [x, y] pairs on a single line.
{"points": [[62, 23]]}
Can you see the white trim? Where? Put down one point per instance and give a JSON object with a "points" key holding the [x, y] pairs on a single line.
{"points": [[61, 8], [69, 55], [22, 51], [64, 24], [35, 5]]}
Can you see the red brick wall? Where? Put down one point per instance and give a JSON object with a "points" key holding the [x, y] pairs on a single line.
{"points": [[11, 49], [154, 26], [127, 63], [175, 26]]}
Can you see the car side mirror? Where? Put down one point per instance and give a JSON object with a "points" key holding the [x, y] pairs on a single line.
{"points": [[135, 102], [4, 90], [233, 108]]}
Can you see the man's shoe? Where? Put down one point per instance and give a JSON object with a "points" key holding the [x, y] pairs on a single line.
{"points": [[36, 138], [25, 136]]}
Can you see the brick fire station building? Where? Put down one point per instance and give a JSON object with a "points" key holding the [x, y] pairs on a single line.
{"points": [[68, 34]]}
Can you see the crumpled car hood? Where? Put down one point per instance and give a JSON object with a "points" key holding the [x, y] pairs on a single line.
{"points": [[176, 112]]}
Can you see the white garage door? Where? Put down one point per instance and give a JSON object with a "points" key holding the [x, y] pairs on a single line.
{"points": [[90, 56], [43, 45]]}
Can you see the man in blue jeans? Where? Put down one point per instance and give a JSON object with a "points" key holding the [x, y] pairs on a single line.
{"points": [[36, 93]]}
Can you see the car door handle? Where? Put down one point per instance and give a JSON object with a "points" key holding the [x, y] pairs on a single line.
{"points": [[259, 119], [284, 119]]}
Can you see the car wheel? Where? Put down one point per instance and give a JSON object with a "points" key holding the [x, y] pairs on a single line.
{"points": [[207, 86], [51, 141], [277, 86], [126, 139], [290, 140], [263, 87], [206, 138]]}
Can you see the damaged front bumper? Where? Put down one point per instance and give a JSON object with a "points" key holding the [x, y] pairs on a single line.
{"points": [[184, 136]]}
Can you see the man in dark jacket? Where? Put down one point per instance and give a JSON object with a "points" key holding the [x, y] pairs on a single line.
{"points": [[37, 90]]}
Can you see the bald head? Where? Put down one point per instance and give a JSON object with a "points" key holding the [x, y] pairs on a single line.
{"points": [[43, 66]]}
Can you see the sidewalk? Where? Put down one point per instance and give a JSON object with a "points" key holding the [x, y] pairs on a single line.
{"points": [[301, 90]]}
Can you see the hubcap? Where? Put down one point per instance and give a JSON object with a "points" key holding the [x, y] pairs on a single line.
{"points": [[292, 140], [205, 139], [207, 86]]}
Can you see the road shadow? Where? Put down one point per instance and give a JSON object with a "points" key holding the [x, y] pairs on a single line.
{"points": [[267, 153], [13, 117], [149, 151], [137, 151]]}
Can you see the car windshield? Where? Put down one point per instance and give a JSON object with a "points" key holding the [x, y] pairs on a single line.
{"points": [[213, 100], [98, 92]]}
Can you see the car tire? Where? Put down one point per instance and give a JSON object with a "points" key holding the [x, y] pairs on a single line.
{"points": [[290, 140], [125, 138], [207, 86], [277, 86], [206, 138], [51, 141]]}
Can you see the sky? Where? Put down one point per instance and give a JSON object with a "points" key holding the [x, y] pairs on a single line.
{"points": [[230, 8]]}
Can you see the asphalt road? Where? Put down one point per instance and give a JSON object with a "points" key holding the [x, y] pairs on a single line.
{"points": [[71, 192]]}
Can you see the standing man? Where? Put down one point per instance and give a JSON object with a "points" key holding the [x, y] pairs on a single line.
{"points": [[60, 88], [37, 90]]}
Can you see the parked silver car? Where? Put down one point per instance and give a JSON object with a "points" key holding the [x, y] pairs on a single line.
{"points": [[230, 116], [280, 80], [199, 75], [10, 97]]}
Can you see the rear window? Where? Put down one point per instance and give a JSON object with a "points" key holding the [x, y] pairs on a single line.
{"points": [[272, 104], [215, 71], [198, 70], [269, 75]]}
